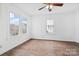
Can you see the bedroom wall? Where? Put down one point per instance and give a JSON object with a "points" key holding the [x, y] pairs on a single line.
{"points": [[77, 26], [64, 28], [6, 41]]}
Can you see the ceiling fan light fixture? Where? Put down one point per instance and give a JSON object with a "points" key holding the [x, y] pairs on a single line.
{"points": [[49, 7]]}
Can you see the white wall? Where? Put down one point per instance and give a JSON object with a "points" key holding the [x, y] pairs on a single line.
{"points": [[63, 29], [6, 41], [77, 26]]}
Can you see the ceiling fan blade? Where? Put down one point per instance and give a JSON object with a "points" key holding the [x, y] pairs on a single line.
{"points": [[57, 4], [42, 8]]}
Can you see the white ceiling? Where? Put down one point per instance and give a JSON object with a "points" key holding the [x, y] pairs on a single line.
{"points": [[32, 8]]}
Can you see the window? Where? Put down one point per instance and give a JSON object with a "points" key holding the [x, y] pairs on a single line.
{"points": [[50, 26], [18, 24]]}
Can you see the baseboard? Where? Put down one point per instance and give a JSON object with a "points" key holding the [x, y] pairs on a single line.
{"points": [[53, 39]]}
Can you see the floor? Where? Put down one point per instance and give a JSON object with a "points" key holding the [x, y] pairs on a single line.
{"points": [[45, 48]]}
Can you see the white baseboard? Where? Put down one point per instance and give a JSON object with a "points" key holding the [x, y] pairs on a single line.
{"points": [[54, 39]]}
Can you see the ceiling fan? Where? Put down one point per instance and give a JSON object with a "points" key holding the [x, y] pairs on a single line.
{"points": [[50, 6]]}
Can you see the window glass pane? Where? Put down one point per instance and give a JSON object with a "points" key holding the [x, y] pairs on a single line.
{"points": [[23, 25], [14, 24], [50, 22], [50, 25]]}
